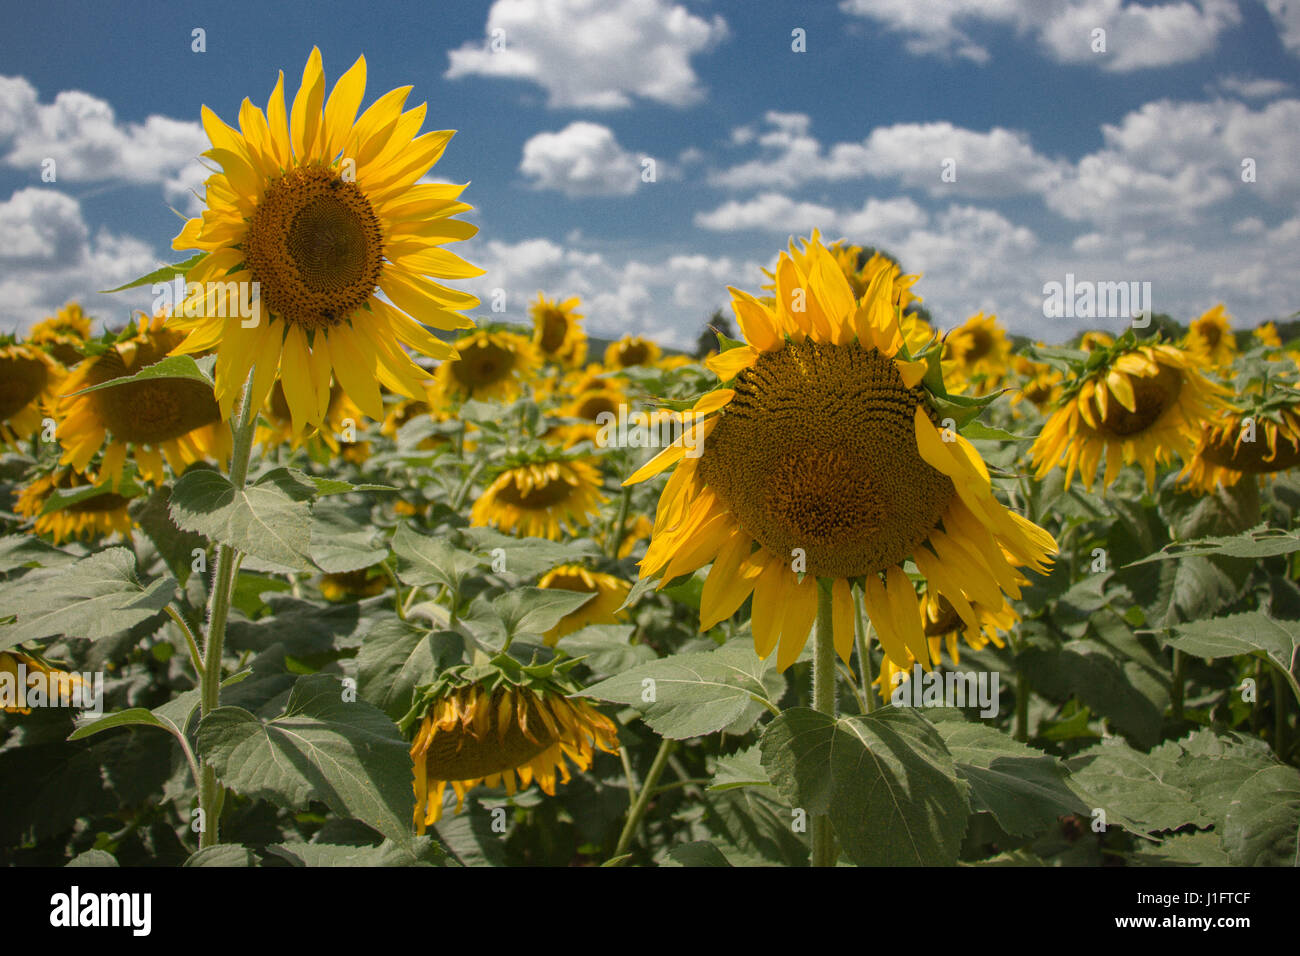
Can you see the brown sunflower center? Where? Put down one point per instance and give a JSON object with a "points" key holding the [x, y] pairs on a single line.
{"points": [[818, 451], [979, 343], [555, 326], [155, 411], [481, 364], [21, 381], [590, 406], [1252, 457], [941, 618], [543, 494], [1151, 396], [315, 246], [634, 353], [459, 755], [1211, 334], [98, 504], [570, 581]]}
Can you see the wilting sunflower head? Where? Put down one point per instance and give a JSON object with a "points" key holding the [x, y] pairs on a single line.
{"points": [[91, 517], [489, 723], [822, 459], [630, 351], [1260, 435], [978, 352], [557, 330], [610, 593], [1135, 402], [60, 682], [1210, 338], [488, 365], [62, 334], [541, 498], [172, 418], [324, 211], [29, 380]]}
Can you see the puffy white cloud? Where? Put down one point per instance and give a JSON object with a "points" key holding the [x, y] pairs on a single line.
{"points": [[82, 135], [1138, 35], [1253, 88], [768, 212], [51, 256], [594, 54], [583, 159], [1286, 14]]}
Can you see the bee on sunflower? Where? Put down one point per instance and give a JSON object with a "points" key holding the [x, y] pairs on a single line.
{"points": [[541, 495], [29, 381], [94, 510], [149, 420], [500, 723], [557, 331], [491, 364], [1211, 340], [1136, 401], [823, 458], [324, 210], [610, 593]]}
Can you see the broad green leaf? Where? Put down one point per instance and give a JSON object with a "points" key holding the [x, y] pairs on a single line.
{"points": [[1202, 848], [523, 557], [425, 560], [978, 431], [1263, 824], [753, 826], [742, 769], [1134, 786], [346, 754], [260, 520], [885, 779], [93, 858], [605, 650], [690, 695], [343, 538], [697, 853], [165, 274], [173, 367], [520, 611], [1256, 543], [1247, 633], [24, 550], [225, 855], [397, 656], [420, 851], [95, 598], [176, 547], [470, 838]]}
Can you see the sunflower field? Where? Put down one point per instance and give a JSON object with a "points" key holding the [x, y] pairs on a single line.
{"points": [[341, 571]]}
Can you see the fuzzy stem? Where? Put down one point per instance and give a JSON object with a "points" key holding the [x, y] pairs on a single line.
{"points": [[823, 840]]}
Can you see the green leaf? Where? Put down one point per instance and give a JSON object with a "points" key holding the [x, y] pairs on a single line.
{"points": [[397, 657], [225, 855], [343, 538], [95, 598], [420, 851], [1022, 787], [260, 520], [742, 769], [175, 547], [605, 650], [25, 551], [1263, 825], [1248, 633], [425, 560], [165, 274], [93, 858], [690, 695], [173, 367], [495, 620], [1132, 788], [978, 431], [1184, 849], [348, 755], [697, 853], [885, 779], [1256, 543], [525, 557]]}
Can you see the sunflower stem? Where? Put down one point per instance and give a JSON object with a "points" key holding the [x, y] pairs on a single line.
{"points": [[1279, 713], [643, 798], [1021, 731], [862, 632], [210, 795], [620, 529], [1177, 681], [823, 840]]}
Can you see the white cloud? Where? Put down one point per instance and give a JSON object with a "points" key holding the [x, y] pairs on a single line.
{"points": [[767, 212], [82, 135], [51, 256], [594, 54], [583, 159], [1253, 88], [1286, 15], [1138, 36]]}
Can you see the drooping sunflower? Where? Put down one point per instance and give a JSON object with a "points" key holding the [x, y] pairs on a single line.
{"points": [[89, 518], [1141, 403], [630, 351], [541, 498], [489, 730], [491, 365], [557, 330], [29, 380], [324, 210], [65, 682], [978, 351], [63, 334], [172, 418], [610, 593], [822, 459], [1210, 338]]}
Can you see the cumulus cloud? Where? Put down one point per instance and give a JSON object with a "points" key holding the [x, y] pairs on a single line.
{"points": [[1138, 35], [50, 256], [1253, 88], [1286, 15], [593, 54], [583, 159], [81, 133], [778, 214]]}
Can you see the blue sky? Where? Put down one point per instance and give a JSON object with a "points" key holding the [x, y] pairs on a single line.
{"points": [[1123, 164]]}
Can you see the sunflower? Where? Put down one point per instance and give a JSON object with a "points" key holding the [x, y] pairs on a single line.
{"points": [[1040, 383], [587, 407], [323, 213], [1210, 338], [540, 499], [1267, 335], [29, 380], [1142, 403], [491, 365], [66, 681], [1091, 341], [477, 733], [346, 585], [860, 268], [630, 351], [63, 334], [823, 457], [1263, 440], [610, 593], [978, 351], [172, 418], [557, 330], [342, 419], [89, 518]]}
